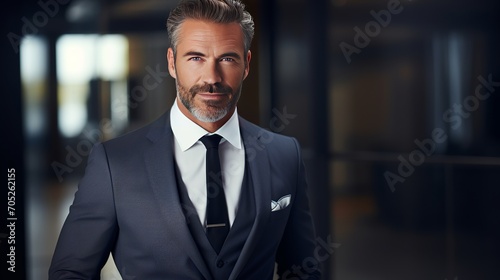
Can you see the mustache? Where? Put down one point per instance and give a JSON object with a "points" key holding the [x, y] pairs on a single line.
{"points": [[211, 88]]}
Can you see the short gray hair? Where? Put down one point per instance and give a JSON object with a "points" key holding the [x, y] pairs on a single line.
{"points": [[218, 11]]}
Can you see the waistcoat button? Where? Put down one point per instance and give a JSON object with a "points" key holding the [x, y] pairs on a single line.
{"points": [[220, 263]]}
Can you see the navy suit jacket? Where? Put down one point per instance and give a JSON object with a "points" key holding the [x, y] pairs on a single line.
{"points": [[128, 204]]}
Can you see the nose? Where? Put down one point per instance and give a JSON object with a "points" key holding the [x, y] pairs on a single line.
{"points": [[212, 73]]}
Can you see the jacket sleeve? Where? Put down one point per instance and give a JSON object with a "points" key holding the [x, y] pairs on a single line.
{"points": [[296, 253], [90, 229]]}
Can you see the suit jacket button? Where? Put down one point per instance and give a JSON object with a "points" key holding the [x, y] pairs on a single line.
{"points": [[220, 263]]}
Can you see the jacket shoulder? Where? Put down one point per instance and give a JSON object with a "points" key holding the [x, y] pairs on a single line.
{"points": [[135, 139], [256, 137]]}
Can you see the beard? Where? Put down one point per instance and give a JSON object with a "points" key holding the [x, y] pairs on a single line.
{"points": [[208, 110]]}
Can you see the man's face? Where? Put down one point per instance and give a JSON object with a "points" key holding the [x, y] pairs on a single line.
{"points": [[209, 67]]}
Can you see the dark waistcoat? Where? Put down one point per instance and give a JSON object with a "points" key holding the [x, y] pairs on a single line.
{"points": [[221, 265]]}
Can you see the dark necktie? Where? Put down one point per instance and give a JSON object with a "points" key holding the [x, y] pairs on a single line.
{"points": [[217, 218]]}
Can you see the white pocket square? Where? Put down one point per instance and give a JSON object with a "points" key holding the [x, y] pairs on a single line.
{"points": [[281, 204]]}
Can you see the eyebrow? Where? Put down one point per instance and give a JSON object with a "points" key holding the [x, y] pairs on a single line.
{"points": [[231, 54], [193, 53], [228, 54]]}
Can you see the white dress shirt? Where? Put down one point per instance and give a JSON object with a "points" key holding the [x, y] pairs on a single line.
{"points": [[190, 156]]}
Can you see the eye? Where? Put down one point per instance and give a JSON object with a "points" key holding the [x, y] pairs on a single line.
{"points": [[228, 59], [195, 58]]}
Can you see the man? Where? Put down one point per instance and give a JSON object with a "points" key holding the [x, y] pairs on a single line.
{"points": [[170, 205]]}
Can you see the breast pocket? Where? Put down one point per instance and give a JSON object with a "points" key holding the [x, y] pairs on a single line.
{"points": [[280, 214]]}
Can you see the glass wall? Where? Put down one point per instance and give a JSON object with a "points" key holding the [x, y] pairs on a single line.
{"points": [[414, 151]]}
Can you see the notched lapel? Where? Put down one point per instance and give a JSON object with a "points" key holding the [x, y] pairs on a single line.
{"points": [[259, 168], [159, 161]]}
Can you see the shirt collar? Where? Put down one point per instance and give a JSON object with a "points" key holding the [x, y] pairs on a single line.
{"points": [[187, 133]]}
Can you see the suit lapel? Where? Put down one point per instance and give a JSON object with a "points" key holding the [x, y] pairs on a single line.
{"points": [[159, 160], [258, 163]]}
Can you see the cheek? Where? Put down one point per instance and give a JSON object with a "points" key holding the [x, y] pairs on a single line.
{"points": [[185, 77], [234, 77]]}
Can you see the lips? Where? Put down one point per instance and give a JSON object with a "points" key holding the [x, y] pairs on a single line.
{"points": [[211, 96]]}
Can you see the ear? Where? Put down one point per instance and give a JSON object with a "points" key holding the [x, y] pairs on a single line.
{"points": [[247, 64], [171, 63]]}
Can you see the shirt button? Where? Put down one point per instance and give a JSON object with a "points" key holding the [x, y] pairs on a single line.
{"points": [[220, 263]]}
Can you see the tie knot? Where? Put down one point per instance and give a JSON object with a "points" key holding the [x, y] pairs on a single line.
{"points": [[211, 141]]}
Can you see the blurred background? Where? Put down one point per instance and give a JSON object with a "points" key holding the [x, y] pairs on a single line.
{"points": [[395, 104]]}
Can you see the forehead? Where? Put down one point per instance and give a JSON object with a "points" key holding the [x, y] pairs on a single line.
{"points": [[201, 33]]}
